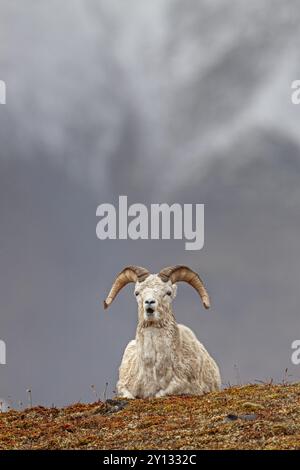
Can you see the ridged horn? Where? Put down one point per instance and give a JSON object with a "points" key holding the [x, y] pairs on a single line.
{"points": [[185, 274], [128, 274]]}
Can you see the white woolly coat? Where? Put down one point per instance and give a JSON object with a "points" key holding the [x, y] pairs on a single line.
{"points": [[166, 360]]}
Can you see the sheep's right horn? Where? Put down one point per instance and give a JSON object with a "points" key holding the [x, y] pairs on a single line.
{"points": [[128, 274], [184, 273]]}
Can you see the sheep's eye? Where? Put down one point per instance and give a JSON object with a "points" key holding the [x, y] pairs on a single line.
{"points": [[136, 294], [169, 292]]}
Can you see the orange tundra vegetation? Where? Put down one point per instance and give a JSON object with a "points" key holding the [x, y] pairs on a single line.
{"points": [[247, 417]]}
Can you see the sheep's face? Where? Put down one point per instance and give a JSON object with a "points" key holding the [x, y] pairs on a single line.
{"points": [[154, 297]]}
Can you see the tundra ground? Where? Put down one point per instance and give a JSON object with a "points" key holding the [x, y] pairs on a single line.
{"points": [[246, 417]]}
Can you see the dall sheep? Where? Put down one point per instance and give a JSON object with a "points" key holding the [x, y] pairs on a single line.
{"points": [[165, 358]]}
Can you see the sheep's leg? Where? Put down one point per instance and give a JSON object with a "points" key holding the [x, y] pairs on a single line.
{"points": [[124, 393], [174, 388]]}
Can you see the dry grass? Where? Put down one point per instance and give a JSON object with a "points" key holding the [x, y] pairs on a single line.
{"points": [[264, 417]]}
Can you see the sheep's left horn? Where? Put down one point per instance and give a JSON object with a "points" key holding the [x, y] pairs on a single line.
{"points": [[128, 274], [184, 273]]}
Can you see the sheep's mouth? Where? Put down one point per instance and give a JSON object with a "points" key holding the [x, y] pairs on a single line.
{"points": [[150, 311]]}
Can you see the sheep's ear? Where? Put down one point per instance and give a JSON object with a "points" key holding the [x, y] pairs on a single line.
{"points": [[184, 273], [127, 275]]}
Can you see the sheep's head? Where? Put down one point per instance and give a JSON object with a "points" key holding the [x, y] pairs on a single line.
{"points": [[154, 297], [155, 292]]}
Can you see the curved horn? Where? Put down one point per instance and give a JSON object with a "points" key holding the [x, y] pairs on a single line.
{"points": [[128, 274], [184, 273]]}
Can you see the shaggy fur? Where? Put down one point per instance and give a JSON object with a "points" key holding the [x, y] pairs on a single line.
{"points": [[164, 358]]}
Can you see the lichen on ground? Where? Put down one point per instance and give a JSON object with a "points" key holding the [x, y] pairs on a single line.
{"points": [[245, 417]]}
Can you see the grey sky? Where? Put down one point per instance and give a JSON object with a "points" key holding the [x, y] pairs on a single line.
{"points": [[164, 102]]}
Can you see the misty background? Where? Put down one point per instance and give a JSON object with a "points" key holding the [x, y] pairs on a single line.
{"points": [[162, 101]]}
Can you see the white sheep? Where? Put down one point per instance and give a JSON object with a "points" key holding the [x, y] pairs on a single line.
{"points": [[164, 358]]}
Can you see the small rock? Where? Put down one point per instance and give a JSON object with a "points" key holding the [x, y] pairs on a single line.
{"points": [[231, 417], [116, 405], [248, 417]]}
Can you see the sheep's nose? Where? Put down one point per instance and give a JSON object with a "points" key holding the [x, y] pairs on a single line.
{"points": [[149, 302], [149, 305]]}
